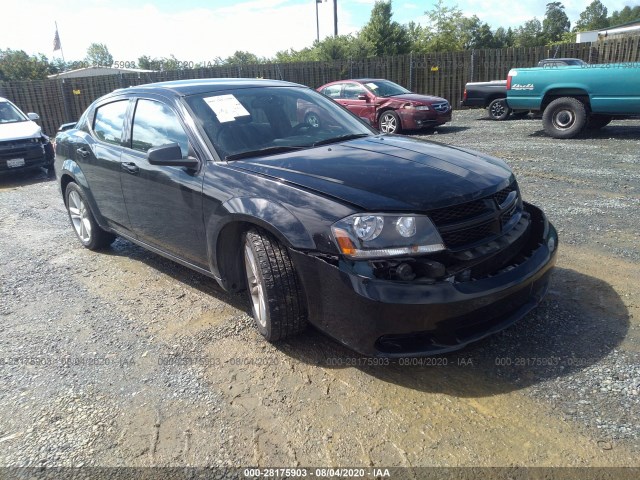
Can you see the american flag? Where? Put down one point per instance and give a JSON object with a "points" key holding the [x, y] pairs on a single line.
{"points": [[56, 42]]}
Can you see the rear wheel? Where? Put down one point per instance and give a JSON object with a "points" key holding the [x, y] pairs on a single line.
{"points": [[389, 122], [277, 300], [498, 109], [87, 229], [565, 117]]}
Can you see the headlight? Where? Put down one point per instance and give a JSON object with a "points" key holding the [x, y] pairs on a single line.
{"points": [[418, 107], [377, 235]]}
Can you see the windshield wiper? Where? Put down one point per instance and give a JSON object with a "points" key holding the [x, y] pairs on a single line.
{"points": [[264, 151], [341, 138]]}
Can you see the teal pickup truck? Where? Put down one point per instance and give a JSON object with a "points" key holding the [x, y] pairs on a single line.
{"points": [[575, 98]]}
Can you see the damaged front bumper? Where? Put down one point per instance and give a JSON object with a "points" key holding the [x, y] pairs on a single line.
{"points": [[381, 317]]}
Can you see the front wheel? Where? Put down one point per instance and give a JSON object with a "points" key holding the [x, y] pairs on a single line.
{"points": [[277, 300], [389, 122], [565, 117], [87, 229], [498, 109]]}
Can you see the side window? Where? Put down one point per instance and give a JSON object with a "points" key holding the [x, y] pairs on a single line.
{"points": [[109, 120], [332, 91], [154, 125], [352, 90]]}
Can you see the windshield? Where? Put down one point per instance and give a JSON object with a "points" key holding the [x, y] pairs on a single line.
{"points": [[10, 114], [385, 88], [252, 122]]}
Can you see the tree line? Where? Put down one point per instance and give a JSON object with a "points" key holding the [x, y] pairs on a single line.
{"points": [[447, 29]]}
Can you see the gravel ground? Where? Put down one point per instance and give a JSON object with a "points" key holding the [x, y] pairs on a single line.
{"points": [[123, 358]]}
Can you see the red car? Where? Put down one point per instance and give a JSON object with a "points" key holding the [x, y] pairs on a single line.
{"points": [[388, 106]]}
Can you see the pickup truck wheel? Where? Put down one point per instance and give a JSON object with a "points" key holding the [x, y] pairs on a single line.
{"points": [[277, 301], [596, 122], [87, 229], [565, 117], [498, 109], [389, 122]]}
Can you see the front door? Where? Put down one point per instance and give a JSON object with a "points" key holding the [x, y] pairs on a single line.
{"points": [[164, 203]]}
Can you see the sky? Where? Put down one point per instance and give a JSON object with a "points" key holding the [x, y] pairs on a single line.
{"points": [[202, 30]]}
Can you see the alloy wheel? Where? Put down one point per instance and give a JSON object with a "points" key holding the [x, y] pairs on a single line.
{"points": [[79, 214], [255, 287]]}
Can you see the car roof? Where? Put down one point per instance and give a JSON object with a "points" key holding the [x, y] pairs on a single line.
{"points": [[204, 85]]}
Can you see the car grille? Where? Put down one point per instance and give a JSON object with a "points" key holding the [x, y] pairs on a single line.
{"points": [[441, 107], [467, 224]]}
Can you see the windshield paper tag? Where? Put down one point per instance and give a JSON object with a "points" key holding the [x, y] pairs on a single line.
{"points": [[372, 86], [226, 107]]}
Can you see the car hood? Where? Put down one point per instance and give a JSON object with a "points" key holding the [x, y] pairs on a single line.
{"points": [[415, 97], [19, 130], [387, 173]]}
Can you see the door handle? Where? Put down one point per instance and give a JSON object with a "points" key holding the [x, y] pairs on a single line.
{"points": [[130, 167], [83, 152]]}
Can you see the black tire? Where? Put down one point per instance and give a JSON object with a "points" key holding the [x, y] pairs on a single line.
{"points": [[313, 120], [276, 296], [389, 122], [565, 117], [84, 224], [596, 122], [498, 109]]}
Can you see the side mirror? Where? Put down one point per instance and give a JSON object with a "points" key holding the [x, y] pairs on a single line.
{"points": [[33, 116], [363, 96], [170, 155]]}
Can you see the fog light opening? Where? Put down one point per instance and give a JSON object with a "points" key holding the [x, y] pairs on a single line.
{"points": [[403, 272]]}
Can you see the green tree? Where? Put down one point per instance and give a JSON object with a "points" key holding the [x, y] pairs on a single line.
{"points": [[17, 65], [594, 17], [626, 15], [290, 56], [418, 37], [444, 24], [475, 34], [98, 55], [503, 38], [530, 34], [385, 36], [555, 22], [242, 58]]}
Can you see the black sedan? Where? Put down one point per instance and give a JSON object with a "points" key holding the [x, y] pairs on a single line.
{"points": [[392, 246]]}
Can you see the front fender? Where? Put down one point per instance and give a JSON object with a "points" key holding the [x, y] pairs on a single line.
{"points": [[273, 217], [224, 227]]}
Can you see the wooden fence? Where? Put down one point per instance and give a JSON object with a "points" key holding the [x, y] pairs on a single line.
{"points": [[59, 101]]}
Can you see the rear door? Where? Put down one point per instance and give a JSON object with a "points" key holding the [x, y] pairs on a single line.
{"points": [[164, 203], [98, 153]]}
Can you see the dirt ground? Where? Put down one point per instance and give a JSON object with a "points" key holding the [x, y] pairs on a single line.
{"points": [[123, 358]]}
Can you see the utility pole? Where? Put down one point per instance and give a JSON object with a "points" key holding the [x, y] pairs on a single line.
{"points": [[335, 18], [317, 21]]}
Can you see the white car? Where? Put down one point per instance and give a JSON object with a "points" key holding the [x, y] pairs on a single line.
{"points": [[22, 143]]}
